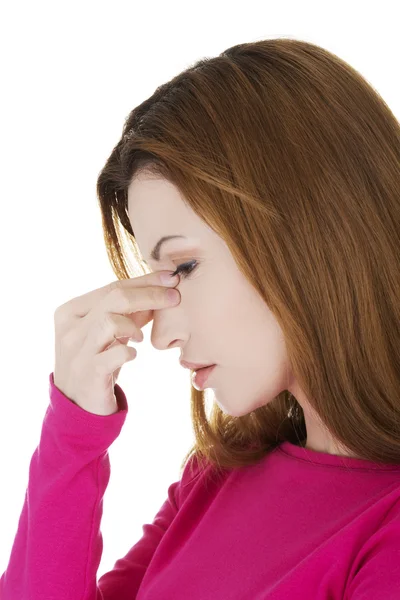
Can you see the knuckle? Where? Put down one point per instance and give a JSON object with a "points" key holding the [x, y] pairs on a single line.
{"points": [[114, 285], [59, 314], [69, 339], [108, 323], [115, 292], [153, 294]]}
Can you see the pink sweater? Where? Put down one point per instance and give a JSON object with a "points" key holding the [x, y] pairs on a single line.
{"points": [[299, 525]]}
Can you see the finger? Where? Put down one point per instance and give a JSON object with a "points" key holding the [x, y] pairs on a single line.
{"points": [[128, 301], [82, 305], [111, 331], [113, 360], [109, 320]]}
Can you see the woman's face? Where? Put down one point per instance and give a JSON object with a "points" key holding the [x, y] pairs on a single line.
{"points": [[221, 319]]}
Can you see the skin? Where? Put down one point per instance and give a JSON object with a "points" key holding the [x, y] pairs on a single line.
{"points": [[221, 318]]}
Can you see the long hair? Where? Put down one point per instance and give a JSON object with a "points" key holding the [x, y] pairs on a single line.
{"points": [[292, 157]]}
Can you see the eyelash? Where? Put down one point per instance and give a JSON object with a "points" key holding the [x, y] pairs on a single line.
{"points": [[185, 269]]}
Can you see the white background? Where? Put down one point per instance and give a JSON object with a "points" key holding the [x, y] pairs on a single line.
{"points": [[70, 74]]}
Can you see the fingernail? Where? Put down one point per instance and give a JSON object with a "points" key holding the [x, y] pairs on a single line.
{"points": [[173, 296]]}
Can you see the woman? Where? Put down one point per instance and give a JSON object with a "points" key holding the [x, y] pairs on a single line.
{"points": [[279, 164]]}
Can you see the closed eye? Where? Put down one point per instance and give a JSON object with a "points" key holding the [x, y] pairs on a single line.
{"points": [[186, 268]]}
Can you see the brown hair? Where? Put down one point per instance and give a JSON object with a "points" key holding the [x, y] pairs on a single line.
{"points": [[292, 157]]}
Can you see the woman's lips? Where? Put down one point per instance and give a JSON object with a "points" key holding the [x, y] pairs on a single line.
{"points": [[200, 377]]}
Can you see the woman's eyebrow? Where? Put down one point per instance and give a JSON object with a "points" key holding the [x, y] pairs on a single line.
{"points": [[155, 253]]}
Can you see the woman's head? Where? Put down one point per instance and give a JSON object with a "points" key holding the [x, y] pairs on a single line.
{"points": [[288, 162], [221, 319]]}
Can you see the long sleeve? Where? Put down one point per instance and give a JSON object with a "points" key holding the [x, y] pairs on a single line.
{"points": [[124, 580], [334, 519], [58, 545]]}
